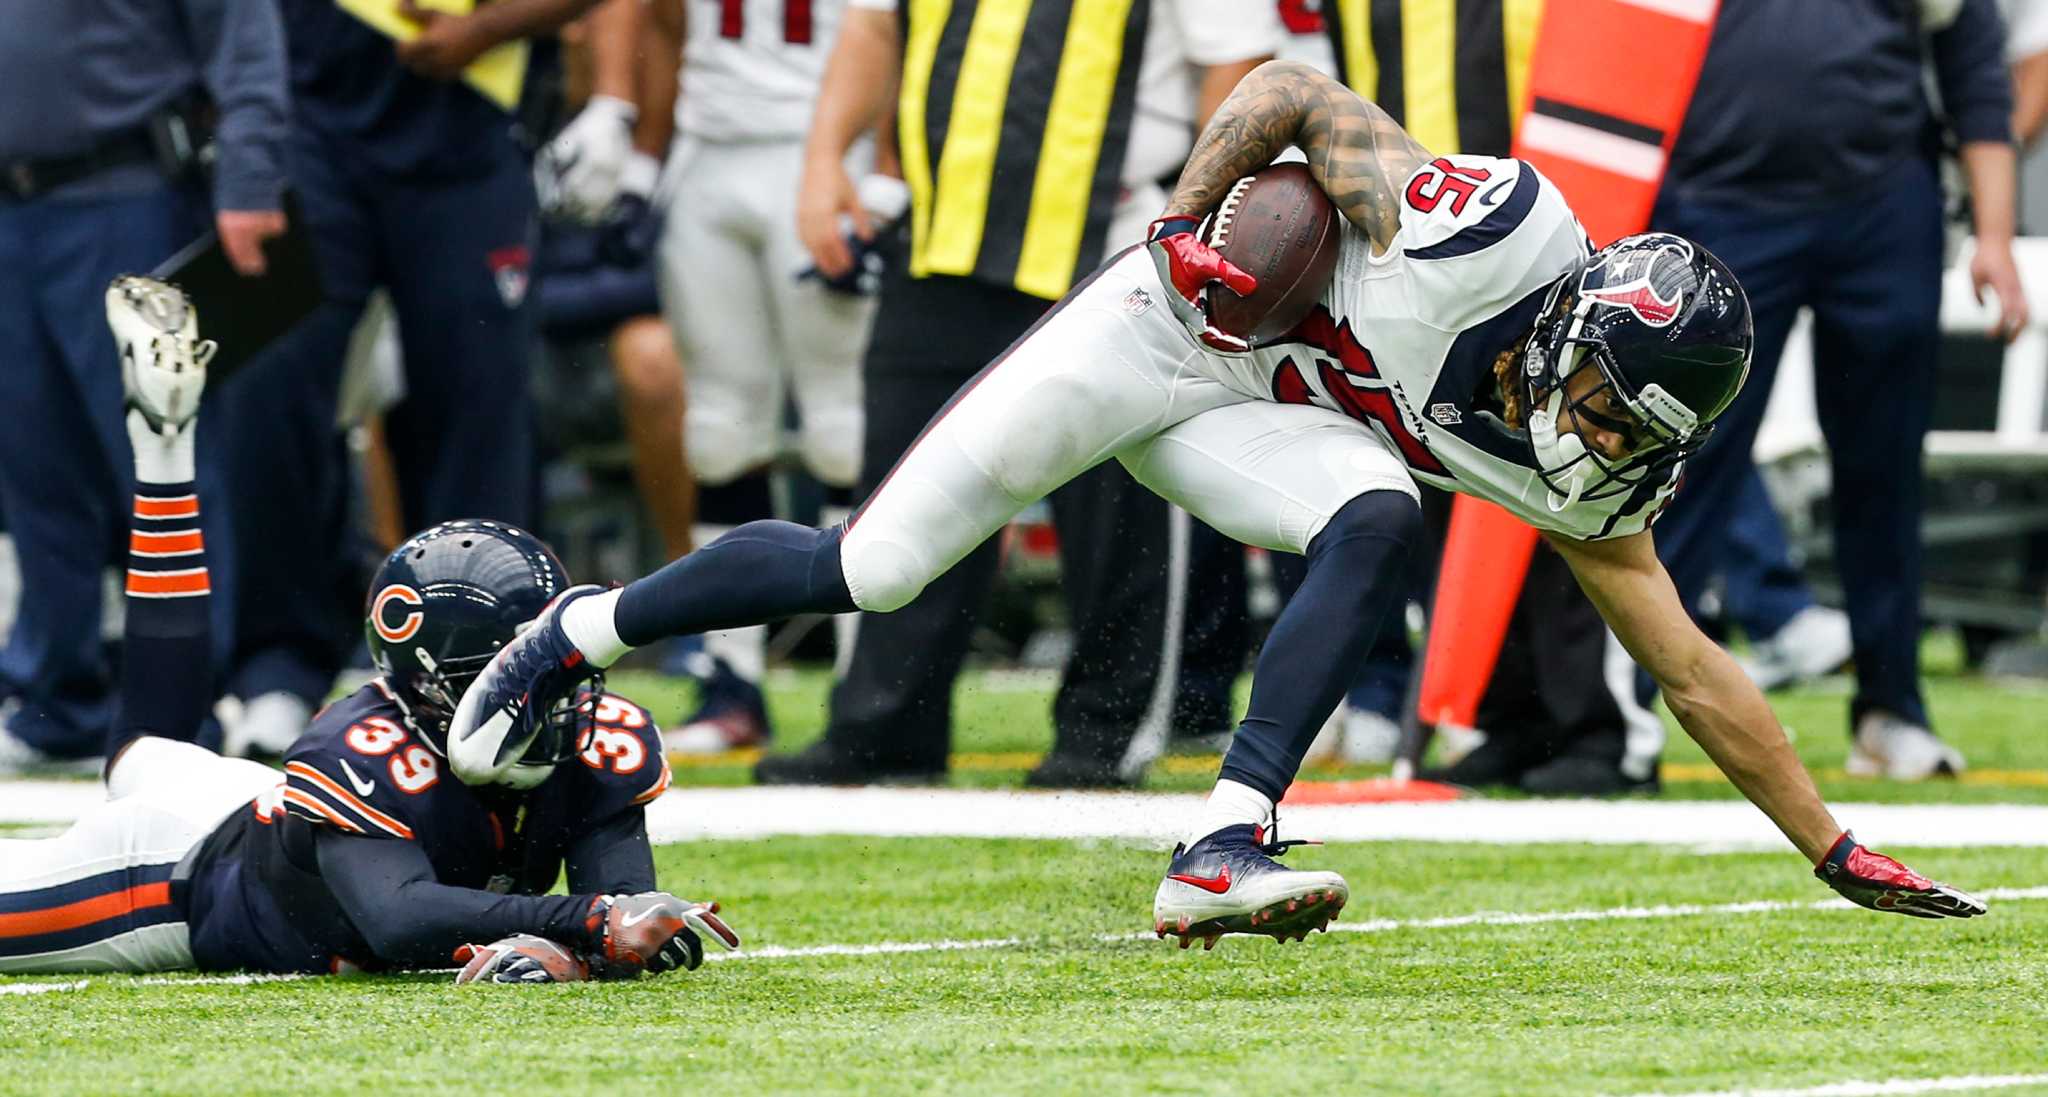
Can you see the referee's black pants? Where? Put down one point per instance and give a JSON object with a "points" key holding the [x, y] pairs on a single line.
{"points": [[894, 706]]}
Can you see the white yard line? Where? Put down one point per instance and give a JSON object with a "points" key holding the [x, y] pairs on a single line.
{"points": [[982, 944], [42, 988], [1961, 1083], [1159, 819]]}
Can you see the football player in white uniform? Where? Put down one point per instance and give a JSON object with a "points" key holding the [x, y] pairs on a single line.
{"points": [[1468, 339], [755, 328]]}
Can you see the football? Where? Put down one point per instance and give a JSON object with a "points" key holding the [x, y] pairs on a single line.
{"points": [[1278, 226]]}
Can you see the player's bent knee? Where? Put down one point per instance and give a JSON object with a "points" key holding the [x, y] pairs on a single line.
{"points": [[1385, 515], [832, 450], [645, 362], [720, 452], [882, 575]]}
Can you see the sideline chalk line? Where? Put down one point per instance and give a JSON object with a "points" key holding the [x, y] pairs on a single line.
{"points": [[898, 948]]}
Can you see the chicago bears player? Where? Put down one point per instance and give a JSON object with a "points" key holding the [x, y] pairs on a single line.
{"points": [[1468, 339], [365, 853]]}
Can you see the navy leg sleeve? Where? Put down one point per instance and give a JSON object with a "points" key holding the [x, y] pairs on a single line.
{"points": [[762, 571], [1357, 574]]}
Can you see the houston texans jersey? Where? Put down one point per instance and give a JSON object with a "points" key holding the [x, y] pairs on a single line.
{"points": [[256, 899], [1406, 341], [751, 67]]}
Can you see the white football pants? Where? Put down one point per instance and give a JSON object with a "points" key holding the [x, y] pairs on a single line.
{"points": [[1109, 373], [98, 896], [748, 331]]}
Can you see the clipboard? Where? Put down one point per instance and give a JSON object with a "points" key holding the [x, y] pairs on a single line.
{"points": [[499, 75], [245, 315]]}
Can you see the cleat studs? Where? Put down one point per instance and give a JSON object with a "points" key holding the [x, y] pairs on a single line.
{"points": [[1209, 942], [1291, 904], [1183, 923], [1185, 942]]}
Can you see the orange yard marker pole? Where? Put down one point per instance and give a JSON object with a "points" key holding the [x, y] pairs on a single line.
{"points": [[1609, 83]]}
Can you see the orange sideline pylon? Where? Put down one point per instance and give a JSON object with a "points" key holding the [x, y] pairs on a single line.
{"points": [[1486, 557], [1609, 83]]}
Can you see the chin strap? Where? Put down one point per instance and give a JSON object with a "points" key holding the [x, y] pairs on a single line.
{"points": [[1555, 451]]}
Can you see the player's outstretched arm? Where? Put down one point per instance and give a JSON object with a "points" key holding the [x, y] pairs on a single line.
{"points": [[1724, 711], [388, 890], [1359, 154]]}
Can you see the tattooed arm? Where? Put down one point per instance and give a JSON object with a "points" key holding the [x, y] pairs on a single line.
{"points": [[1359, 154]]}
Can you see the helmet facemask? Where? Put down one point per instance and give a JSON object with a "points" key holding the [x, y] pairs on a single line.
{"points": [[560, 734], [1656, 428]]}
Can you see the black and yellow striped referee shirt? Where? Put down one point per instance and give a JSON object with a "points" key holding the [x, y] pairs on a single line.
{"points": [[1454, 72], [1013, 120]]}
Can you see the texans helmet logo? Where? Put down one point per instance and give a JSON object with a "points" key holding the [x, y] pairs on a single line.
{"points": [[1641, 298]]}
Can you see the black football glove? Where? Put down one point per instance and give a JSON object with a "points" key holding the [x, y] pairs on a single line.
{"points": [[1870, 879], [652, 931], [864, 277]]}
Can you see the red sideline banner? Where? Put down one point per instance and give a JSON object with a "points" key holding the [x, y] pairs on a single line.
{"points": [[1608, 87]]}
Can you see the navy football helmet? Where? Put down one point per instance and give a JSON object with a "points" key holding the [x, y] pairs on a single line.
{"points": [[1664, 331], [443, 603]]}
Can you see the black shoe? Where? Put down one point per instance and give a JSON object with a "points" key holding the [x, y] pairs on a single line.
{"points": [[1074, 771], [825, 763], [1574, 775], [1499, 762]]}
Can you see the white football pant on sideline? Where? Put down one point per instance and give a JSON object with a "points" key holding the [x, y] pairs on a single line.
{"points": [[747, 329], [1110, 373]]}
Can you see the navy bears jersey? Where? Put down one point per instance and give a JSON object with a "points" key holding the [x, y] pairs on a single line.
{"points": [[257, 899]]}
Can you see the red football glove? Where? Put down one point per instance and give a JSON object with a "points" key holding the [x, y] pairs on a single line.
{"points": [[1189, 267], [651, 931], [520, 958], [1873, 880]]}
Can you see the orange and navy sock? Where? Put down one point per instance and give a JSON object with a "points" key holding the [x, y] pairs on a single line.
{"points": [[166, 673]]}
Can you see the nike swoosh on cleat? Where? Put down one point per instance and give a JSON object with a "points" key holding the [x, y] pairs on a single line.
{"points": [[1217, 884], [363, 788]]}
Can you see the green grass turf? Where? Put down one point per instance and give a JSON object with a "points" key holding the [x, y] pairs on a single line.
{"points": [[1998, 725], [1682, 1004]]}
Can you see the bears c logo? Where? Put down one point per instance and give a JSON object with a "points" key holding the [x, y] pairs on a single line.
{"points": [[408, 620]]}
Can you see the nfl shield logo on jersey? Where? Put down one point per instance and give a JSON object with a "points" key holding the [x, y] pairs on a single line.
{"points": [[509, 267]]}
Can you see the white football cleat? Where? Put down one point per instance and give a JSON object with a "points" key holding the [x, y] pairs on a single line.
{"points": [[1889, 746], [1814, 642], [265, 726], [163, 360], [1228, 882], [1369, 738]]}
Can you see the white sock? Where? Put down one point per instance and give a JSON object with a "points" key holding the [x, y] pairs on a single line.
{"points": [[161, 460], [1230, 804], [589, 623]]}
